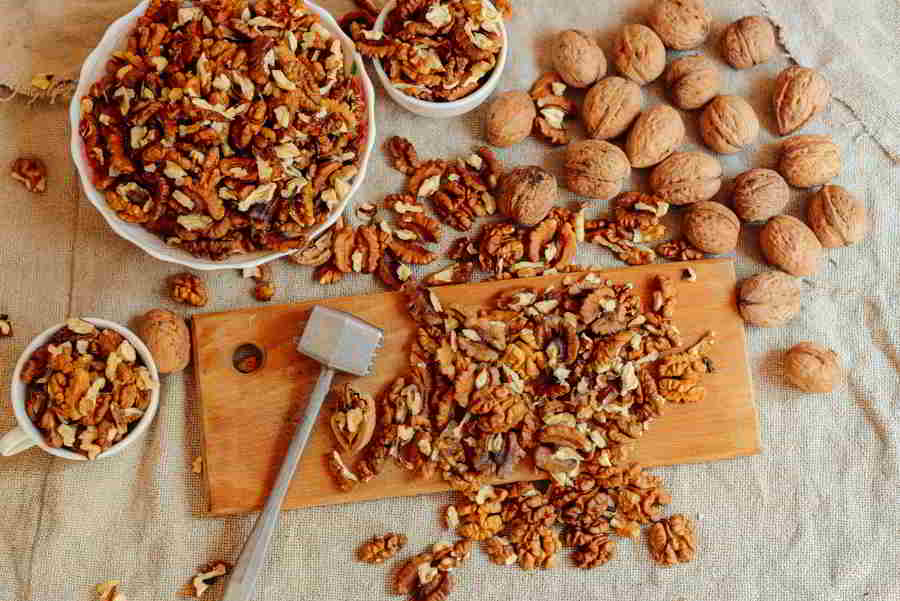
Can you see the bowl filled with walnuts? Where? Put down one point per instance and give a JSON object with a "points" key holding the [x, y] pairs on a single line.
{"points": [[83, 389], [222, 135], [437, 60]]}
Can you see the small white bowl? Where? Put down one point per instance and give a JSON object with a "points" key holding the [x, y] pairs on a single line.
{"points": [[441, 110], [27, 434], [94, 68]]}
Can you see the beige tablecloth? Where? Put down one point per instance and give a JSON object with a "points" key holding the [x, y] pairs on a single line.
{"points": [[816, 516]]}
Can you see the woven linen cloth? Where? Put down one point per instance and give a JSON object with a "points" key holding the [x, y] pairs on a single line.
{"points": [[815, 516]]}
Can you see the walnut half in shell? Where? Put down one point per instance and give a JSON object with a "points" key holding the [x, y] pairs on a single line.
{"points": [[353, 420]]}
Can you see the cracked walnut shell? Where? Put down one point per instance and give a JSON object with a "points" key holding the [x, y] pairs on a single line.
{"points": [[810, 160], [596, 169], [692, 81], [790, 245], [837, 217], [527, 194], [610, 107], [680, 24], [655, 135], [510, 118], [639, 54], [800, 94], [577, 58], [686, 178], [748, 42], [728, 124], [759, 195], [770, 299], [712, 227], [812, 368]]}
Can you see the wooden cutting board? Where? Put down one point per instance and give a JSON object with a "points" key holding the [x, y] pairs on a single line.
{"points": [[248, 419]]}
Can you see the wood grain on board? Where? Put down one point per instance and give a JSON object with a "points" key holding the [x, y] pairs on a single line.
{"points": [[248, 419]]}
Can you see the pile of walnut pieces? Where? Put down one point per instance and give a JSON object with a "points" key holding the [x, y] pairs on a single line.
{"points": [[431, 50], [571, 375], [226, 128], [86, 388]]}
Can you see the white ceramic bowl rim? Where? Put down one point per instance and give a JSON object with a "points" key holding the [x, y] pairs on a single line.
{"points": [[454, 104], [149, 242], [18, 389]]}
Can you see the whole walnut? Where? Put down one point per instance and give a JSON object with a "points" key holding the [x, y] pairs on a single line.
{"points": [[748, 42], [578, 59], [728, 124], [810, 160], [692, 81], [639, 54], [759, 195], [680, 24], [610, 107], [812, 367], [655, 135], [711, 227], [596, 169], [787, 243], [770, 299], [800, 94], [527, 194], [510, 118], [686, 177], [168, 339], [837, 217]]}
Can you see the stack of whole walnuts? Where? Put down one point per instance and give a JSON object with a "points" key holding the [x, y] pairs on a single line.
{"points": [[624, 135]]}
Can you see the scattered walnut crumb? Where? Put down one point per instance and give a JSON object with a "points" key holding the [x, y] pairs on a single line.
{"points": [[197, 465], [189, 289], [206, 578], [32, 173], [109, 591], [381, 548]]}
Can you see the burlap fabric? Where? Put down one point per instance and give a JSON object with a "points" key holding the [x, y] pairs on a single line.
{"points": [[816, 516]]}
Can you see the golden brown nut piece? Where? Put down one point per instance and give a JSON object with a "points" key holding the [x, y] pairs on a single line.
{"points": [[812, 367], [381, 548], [672, 540], [189, 289], [31, 172], [748, 42]]}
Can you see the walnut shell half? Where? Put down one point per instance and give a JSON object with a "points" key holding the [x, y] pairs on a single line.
{"points": [[656, 134], [692, 81], [790, 245], [712, 227], [728, 124], [812, 367], [596, 169], [610, 107], [510, 118], [837, 217], [759, 195], [578, 59], [527, 194], [748, 42], [810, 160], [770, 299], [639, 54], [800, 94], [680, 24], [686, 177]]}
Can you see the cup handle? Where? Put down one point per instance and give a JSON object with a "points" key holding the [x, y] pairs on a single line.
{"points": [[15, 441]]}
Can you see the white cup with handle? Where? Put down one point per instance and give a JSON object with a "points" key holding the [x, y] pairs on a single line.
{"points": [[27, 435]]}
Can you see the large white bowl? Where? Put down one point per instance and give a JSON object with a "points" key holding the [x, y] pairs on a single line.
{"points": [[94, 68], [441, 110]]}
